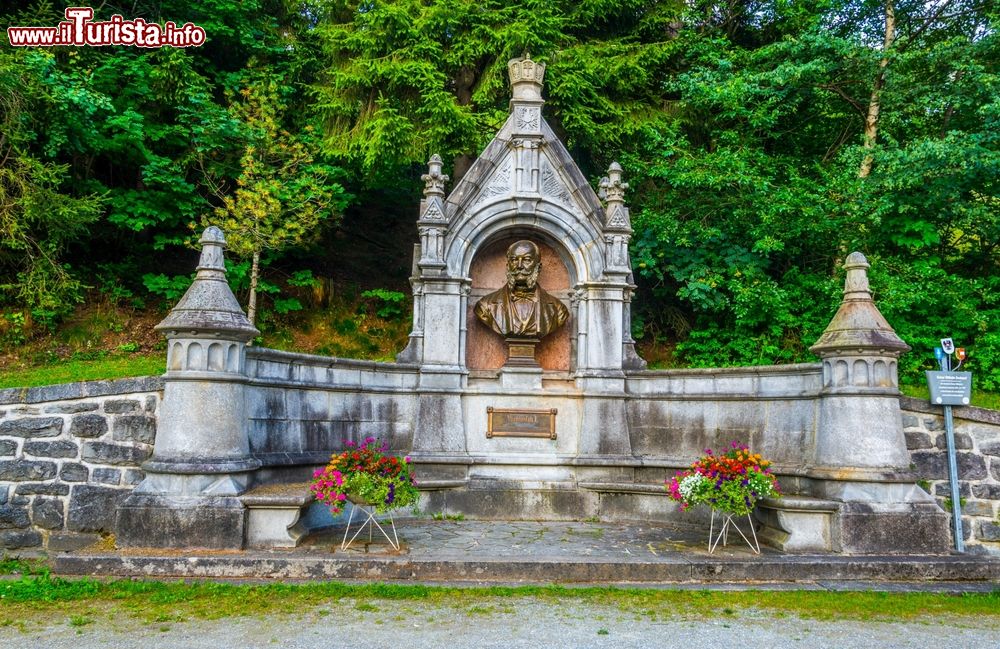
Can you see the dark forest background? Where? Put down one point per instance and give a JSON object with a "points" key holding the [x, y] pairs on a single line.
{"points": [[762, 141]]}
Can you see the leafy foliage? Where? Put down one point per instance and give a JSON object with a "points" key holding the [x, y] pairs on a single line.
{"points": [[389, 304], [282, 194], [115, 153], [749, 198], [40, 213], [740, 125], [170, 288], [407, 79]]}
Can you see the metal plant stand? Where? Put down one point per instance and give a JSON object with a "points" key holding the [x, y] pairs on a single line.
{"points": [[368, 510], [728, 523]]}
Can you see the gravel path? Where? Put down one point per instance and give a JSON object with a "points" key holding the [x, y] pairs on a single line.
{"points": [[502, 623]]}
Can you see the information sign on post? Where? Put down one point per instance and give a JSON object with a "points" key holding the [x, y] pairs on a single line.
{"points": [[950, 388]]}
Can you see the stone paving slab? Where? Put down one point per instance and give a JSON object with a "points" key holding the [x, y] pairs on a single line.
{"points": [[488, 552]]}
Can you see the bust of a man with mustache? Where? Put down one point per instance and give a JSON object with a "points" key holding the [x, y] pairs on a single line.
{"points": [[522, 309]]}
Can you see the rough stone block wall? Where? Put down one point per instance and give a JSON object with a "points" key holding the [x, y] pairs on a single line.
{"points": [[68, 455], [977, 446]]}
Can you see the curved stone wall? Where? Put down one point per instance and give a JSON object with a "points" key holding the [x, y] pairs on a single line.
{"points": [[69, 454]]}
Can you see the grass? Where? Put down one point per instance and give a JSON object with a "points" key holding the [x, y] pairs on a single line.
{"points": [[39, 597], [104, 341], [110, 367], [347, 328], [13, 566]]}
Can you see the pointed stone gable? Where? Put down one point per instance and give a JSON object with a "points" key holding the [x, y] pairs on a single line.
{"points": [[433, 213], [618, 219], [527, 170], [526, 185], [526, 167]]}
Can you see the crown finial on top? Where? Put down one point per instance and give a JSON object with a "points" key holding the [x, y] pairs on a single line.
{"points": [[526, 78]]}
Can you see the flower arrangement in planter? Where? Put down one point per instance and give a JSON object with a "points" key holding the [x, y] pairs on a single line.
{"points": [[730, 483], [365, 475]]}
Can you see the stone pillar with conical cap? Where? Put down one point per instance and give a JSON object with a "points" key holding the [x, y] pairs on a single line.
{"points": [[860, 425], [860, 460], [201, 458]]}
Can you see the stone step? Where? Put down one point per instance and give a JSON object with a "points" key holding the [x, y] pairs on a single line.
{"points": [[798, 569]]}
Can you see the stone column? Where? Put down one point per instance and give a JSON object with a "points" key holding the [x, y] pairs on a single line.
{"points": [[617, 223], [432, 224], [439, 312], [201, 459], [617, 236], [860, 426], [428, 262], [609, 347], [860, 458]]}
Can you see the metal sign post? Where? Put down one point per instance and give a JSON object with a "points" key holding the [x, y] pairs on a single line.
{"points": [[950, 388], [956, 500]]}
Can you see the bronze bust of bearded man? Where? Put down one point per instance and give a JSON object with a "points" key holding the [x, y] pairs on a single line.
{"points": [[522, 309]]}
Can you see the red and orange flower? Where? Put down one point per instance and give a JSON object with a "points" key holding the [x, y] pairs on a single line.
{"points": [[367, 474], [730, 482]]}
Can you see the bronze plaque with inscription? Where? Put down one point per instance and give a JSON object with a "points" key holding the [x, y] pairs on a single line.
{"points": [[521, 422]]}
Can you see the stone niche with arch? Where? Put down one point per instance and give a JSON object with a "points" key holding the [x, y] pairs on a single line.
{"points": [[523, 186], [485, 350]]}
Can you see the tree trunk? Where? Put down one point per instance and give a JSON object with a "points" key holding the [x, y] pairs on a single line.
{"points": [[252, 301], [874, 105], [951, 107], [464, 82]]}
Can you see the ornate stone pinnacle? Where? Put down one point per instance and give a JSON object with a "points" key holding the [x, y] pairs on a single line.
{"points": [[213, 242], [209, 307], [612, 189], [858, 326], [526, 78], [434, 180]]}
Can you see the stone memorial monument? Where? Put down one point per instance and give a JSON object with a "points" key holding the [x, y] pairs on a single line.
{"points": [[519, 394]]}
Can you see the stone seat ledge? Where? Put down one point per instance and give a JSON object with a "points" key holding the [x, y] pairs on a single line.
{"points": [[625, 487], [797, 523], [437, 485], [800, 503], [274, 514], [279, 495]]}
